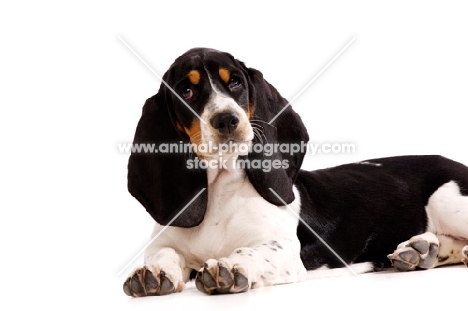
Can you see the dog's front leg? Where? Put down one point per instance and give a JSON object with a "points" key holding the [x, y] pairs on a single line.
{"points": [[269, 263], [164, 272]]}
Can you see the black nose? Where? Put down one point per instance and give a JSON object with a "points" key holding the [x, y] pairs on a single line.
{"points": [[225, 122]]}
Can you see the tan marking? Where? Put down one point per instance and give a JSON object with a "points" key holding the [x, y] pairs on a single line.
{"points": [[224, 74], [194, 133], [194, 77], [251, 111]]}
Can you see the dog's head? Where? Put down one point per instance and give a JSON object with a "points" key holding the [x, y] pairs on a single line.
{"points": [[209, 99]]}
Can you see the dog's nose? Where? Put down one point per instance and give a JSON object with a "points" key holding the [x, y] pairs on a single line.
{"points": [[225, 122]]}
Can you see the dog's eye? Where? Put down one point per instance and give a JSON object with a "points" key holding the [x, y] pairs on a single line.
{"points": [[234, 82], [187, 93]]}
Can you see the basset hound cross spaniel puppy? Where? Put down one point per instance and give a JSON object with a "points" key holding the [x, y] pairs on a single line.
{"points": [[267, 222]]}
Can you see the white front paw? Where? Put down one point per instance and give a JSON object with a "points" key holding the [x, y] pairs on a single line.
{"points": [[150, 280]]}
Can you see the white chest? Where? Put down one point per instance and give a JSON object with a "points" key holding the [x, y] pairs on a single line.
{"points": [[237, 216]]}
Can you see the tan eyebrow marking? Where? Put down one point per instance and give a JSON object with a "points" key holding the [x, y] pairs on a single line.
{"points": [[224, 74], [194, 77]]}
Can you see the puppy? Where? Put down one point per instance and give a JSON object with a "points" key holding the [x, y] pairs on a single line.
{"points": [[244, 218]]}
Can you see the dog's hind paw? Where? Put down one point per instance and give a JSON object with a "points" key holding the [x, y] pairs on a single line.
{"points": [[419, 252], [465, 255]]}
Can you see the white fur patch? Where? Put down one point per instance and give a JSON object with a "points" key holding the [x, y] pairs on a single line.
{"points": [[447, 212]]}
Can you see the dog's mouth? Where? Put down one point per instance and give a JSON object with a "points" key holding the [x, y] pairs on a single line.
{"points": [[225, 147], [235, 138], [227, 141]]}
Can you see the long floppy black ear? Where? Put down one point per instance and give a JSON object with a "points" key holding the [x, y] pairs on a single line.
{"points": [[287, 131], [161, 182]]}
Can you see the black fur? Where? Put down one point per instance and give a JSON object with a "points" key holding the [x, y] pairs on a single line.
{"points": [[161, 182], [364, 211], [287, 129]]}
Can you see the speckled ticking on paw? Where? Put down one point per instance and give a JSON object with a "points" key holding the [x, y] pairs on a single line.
{"points": [[419, 252], [465, 255], [145, 282], [217, 277]]}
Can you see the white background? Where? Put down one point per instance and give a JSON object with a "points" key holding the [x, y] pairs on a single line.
{"points": [[71, 91]]}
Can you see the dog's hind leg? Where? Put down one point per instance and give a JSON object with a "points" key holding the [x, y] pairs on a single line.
{"points": [[465, 255], [451, 251], [420, 251], [427, 251], [446, 239], [447, 213]]}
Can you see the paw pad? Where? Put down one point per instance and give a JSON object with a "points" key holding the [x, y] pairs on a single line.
{"points": [[143, 282], [219, 278], [417, 253]]}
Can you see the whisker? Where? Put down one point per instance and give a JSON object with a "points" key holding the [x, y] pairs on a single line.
{"points": [[261, 135], [257, 120], [258, 135], [260, 131], [257, 126]]}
